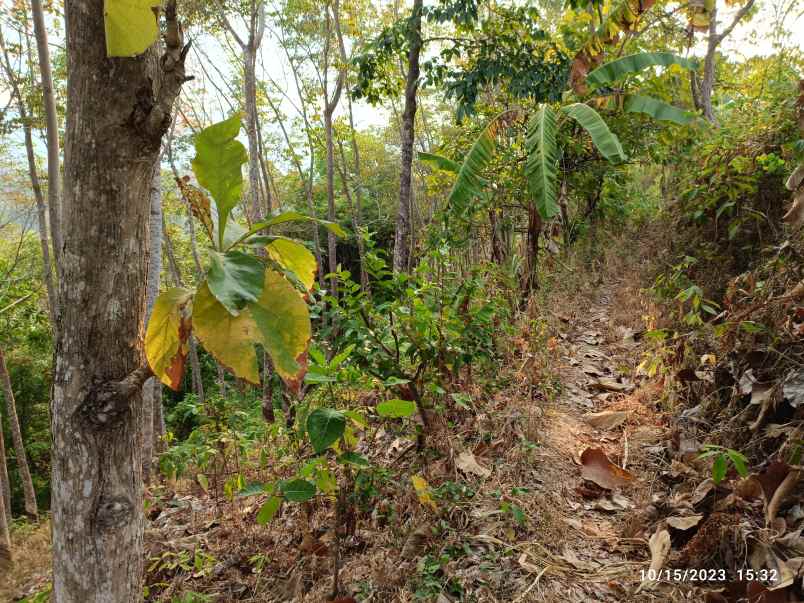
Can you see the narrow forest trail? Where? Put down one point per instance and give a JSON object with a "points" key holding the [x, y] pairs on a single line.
{"points": [[602, 545]]}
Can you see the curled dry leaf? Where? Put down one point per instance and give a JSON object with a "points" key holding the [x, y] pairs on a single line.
{"points": [[684, 523], [659, 545], [467, 463], [597, 468]]}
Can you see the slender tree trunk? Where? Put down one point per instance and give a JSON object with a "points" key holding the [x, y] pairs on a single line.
{"points": [[31, 508], [118, 110], [708, 82], [151, 293], [41, 208], [530, 279], [565, 221], [402, 239], [250, 96], [330, 104], [160, 445], [357, 207], [52, 133], [5, 483], [6, 558]]}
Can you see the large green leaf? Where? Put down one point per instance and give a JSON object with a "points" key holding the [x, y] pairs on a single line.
{"points": [[268, 510], [657, 109], [130, 26], [296, 258], [542, 162], [635, 63], [396, 409], [217, 165], [167, 335], [470, 183], [283, 320], [325, 426], [297, 490], [604, 139], [441, 162], [230, 339], [235, 279]]}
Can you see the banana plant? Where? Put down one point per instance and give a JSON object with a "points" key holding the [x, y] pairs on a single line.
{"points": [[255, 287], [619, 70], [542, 129]]}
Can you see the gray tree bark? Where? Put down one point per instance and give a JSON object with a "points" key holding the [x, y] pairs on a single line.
{"points": [[5, 483], [708, 81], [31, 508], [152, 291], [6, 558], [118, 110], [402, 238], [52, 131]]}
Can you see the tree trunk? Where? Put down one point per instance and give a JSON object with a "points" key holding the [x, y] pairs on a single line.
{"points": [[708, 82], [52, 132], [151, 293], [530, 280], [402, 239], [250, 96], [41, 209], [6, 559], [160, 445], [19, 446], [118, 109], [332, 250], [5, 483], [357, 207]]}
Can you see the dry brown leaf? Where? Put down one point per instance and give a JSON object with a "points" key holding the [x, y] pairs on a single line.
{"points": [[597, 468], [608, 419], [795, 215], [467, 463], [611, 385], [659, 545], [684, 523]]}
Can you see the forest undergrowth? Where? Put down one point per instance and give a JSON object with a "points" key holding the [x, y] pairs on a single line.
{"points": [[564, 474]]}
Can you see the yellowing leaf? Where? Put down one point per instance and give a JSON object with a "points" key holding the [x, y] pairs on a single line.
{"points": [[423, 491], [130, 26], [166, 336], [296, 258], [230, 339], [283, 320]]}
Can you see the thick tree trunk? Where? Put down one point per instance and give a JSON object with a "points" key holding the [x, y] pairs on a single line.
{"points": [[52, 132], [402, 239], [31, 508], [118, 109]]}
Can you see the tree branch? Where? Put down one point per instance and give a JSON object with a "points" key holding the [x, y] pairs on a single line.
{"points": [[740, 14]]}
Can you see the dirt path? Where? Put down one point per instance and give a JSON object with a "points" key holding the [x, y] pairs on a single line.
{"points": [[602, 542]]}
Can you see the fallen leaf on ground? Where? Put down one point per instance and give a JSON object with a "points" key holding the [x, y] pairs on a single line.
{"points": [[608, 419], [684, 523], [467, 463], [597, 468], [611, 385], [659, 545]]}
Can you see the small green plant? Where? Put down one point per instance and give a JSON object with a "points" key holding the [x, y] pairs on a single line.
{"points": [[723, 457]]}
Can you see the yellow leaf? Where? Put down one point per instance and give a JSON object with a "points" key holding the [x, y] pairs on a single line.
{"points": [[296, 258], [423, 491], [283, 322], [167, 335], [130, 25], [230, 339]]}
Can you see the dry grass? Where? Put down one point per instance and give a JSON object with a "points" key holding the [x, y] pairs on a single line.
{"points": [[31, 571]]}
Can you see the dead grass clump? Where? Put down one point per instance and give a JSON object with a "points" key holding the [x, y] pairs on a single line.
{"points": [[30, 545]]}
